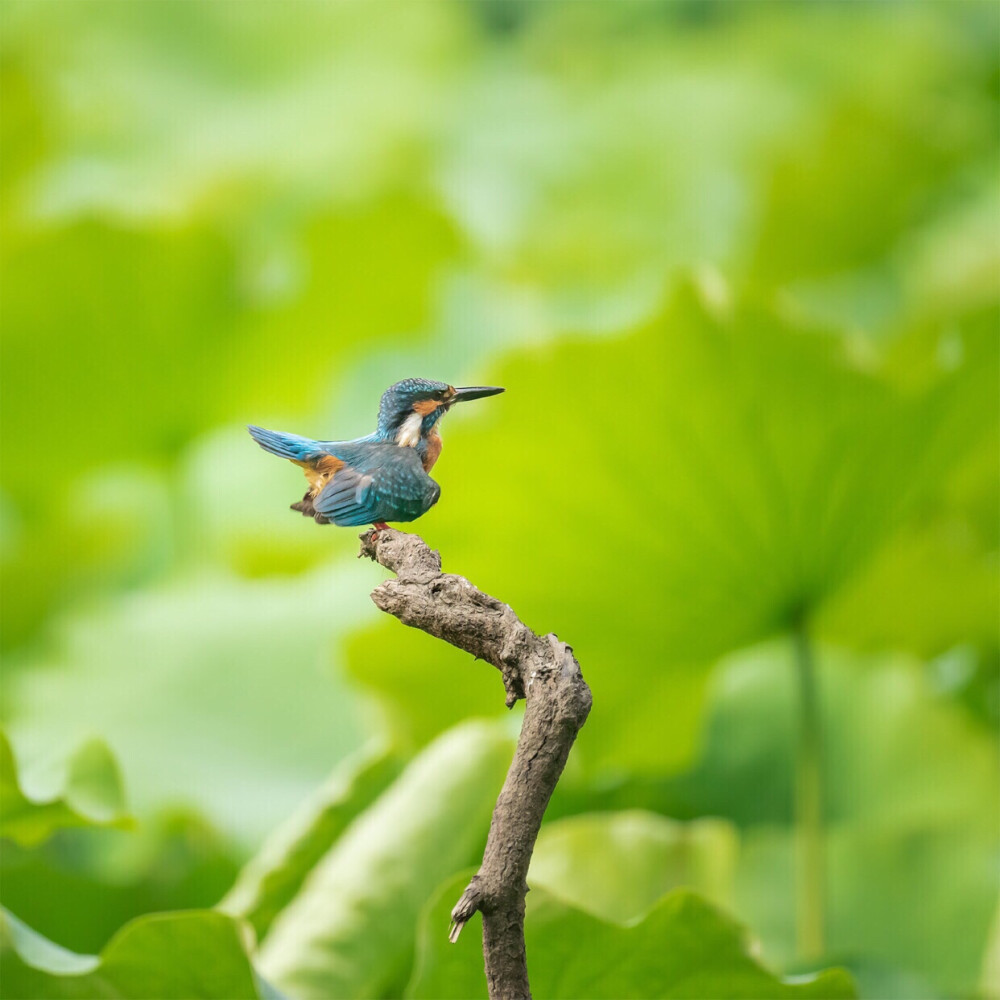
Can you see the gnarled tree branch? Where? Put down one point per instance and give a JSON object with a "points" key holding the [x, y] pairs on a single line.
{"points": [[540, 669]]}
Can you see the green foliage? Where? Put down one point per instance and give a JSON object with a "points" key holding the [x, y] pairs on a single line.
{"points": [[82, 885], [269, 882], [736, 265], [232, 658], [683, 947], [808, 481], [349, 932], [912, 824], [91, 795], [642, 856], [909, 804], [180, 956]]}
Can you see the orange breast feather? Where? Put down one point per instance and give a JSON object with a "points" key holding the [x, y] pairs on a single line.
{"points": [[434, 446]]}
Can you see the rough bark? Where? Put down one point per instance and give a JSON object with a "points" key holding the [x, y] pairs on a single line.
{"points": [[540, 669]]}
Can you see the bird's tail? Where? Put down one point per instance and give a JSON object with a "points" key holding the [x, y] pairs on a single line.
{"points": [[291, 446]]}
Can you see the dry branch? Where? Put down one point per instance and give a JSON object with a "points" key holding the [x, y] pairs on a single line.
{"points": [[540, 669]]}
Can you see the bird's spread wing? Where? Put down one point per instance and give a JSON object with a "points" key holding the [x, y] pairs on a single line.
{"points": [[375, 482]]}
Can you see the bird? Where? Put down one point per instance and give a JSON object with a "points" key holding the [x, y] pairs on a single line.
{"points": [[381, 477]]}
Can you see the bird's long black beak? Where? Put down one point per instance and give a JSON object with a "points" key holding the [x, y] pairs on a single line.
{"points": [[474, 392]]}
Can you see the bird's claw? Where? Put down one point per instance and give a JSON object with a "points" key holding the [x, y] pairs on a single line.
{"points": [[370, 537]]}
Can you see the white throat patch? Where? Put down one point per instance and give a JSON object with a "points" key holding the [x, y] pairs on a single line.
{"points": [[409, 431]]}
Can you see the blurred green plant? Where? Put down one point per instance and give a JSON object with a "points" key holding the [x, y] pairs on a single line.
{"points": [[277, 873], [218, 214], [643, 855], [177, 956], [82, 886], [350, 930], [91, 795], [683, 947]]}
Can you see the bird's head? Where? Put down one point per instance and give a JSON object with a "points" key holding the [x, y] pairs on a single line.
{"points": [[410, 409]]}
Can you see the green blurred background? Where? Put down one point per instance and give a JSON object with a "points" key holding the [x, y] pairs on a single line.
{"points": [[738, 266]]}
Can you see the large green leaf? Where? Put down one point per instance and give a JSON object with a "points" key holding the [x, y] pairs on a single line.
{"points": [[277, 872], [703, 483], [91, 795], [350, 930], [617, 865], [174, 956], [213, 690], [683, 948]]}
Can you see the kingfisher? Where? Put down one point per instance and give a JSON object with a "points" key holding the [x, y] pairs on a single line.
{"points": [[384, 476]]}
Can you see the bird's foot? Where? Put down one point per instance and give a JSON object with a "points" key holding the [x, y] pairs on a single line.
{"points": [[370, 537]]}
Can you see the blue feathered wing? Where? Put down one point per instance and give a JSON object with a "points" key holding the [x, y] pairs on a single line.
{"points": [[379, 482]]}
